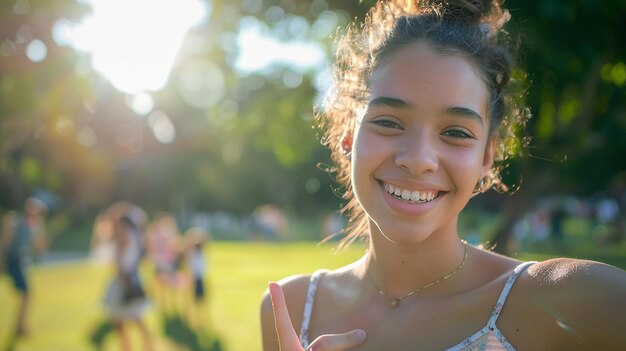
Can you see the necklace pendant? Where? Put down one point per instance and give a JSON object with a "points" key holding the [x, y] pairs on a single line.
{"points": [[393, 303]]}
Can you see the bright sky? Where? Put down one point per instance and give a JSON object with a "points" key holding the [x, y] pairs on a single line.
{"points": [[134, 42], [258, 49]]}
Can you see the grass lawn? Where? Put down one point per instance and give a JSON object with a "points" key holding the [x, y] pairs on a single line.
{"points": [[67, 315]]}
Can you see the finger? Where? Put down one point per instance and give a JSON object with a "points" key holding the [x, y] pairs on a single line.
{"points": [[287, 336], [338, 342]]}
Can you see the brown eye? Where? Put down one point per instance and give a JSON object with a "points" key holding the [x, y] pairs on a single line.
{"points": [[386, 123], [458, 134]]}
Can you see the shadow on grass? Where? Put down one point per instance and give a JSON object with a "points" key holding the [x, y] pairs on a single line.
{"points": [[11, 343], [99, 334], [174, 327], [179, 331]]}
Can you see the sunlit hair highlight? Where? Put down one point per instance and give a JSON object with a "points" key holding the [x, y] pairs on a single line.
{"points": [[469, 28]]}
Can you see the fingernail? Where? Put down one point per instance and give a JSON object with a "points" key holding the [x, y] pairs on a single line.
{"points": [[360, 333]]}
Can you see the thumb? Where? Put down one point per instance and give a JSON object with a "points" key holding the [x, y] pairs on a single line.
{"points": [[287, 337], [338, 342]]}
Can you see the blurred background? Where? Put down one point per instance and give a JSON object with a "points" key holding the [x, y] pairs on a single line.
{"points": [[204, 109]]}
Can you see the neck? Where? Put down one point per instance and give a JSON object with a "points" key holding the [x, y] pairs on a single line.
{"points": [[398, 269]]}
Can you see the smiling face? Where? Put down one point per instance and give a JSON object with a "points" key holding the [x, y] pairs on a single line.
{"points": [[422, 144]]}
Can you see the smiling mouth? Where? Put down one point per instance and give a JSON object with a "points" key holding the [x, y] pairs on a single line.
{"points": [[409, 196]]}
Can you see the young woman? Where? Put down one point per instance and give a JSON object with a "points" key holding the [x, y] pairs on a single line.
{"points": [[419, 112]]}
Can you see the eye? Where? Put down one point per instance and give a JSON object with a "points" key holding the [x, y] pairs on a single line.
{"points": [[387, 123], [458, 134]]}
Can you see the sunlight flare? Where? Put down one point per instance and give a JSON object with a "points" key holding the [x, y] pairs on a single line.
{"points": [[134, 43]]}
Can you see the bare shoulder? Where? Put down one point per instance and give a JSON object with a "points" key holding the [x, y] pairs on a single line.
{"points": [[294, 289], [566, 275], [586, 298]]}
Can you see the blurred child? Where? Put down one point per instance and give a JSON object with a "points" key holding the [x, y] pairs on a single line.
{"points": [[196, 240], [164, 251], [125, 298], [21, 233]]}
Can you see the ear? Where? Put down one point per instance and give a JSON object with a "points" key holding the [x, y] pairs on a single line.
{"points": [[490, 154], [346, 143]]}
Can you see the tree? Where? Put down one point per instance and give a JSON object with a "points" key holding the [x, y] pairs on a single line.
{"points": [[575, 59]]}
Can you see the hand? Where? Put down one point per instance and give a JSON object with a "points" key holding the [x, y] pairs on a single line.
{"points": [[288, 339]]}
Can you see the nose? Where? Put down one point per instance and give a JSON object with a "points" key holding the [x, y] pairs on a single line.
{"points": [[417, 152]]}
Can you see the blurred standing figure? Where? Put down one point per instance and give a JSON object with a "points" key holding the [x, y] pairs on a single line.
{"points": [[21, 233], [125, 299], [269, 223], [196, 240], [164, 251], [609, 219]]}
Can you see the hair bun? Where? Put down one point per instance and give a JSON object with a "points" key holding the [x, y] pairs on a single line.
{"points": [[471, 11], [467, 10]]}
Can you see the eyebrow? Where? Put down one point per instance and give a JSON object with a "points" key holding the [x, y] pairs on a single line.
{"points": [[390, 102], [464, 112], [457, 111]]}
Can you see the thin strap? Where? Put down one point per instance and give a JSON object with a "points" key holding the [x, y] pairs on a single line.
{"points": [[506, 290], [308, 307]]}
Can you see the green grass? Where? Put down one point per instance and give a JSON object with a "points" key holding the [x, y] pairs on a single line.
{"points": [[67, 313], [66, 305]]}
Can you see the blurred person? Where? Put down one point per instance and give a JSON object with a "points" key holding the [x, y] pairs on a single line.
{"points": [[269, 223], [125, 299], [421, 110], [558, 216], [609, 219], [103, 232], [164, 249], [332, 225], [102, 244], [197, 240], [23, 235], [540, 220]]}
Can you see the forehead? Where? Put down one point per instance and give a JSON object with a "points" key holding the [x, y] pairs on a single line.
{"points": [[422, 75]]}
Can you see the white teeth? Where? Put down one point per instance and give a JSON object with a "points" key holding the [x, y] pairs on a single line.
{"points": [[407, 195], [415, 196]]}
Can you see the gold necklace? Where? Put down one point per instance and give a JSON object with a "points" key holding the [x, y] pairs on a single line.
{"points": [[394, 302]]}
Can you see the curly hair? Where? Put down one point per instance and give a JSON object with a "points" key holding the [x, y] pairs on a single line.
{"points": [[471, 28]]}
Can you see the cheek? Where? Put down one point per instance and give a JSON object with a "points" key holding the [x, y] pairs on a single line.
{"points": [[360, 156], [366, 153], [466, 165], [367, 149]]}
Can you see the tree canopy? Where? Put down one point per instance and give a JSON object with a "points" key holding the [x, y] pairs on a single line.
{"points": [[218, 137]]}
